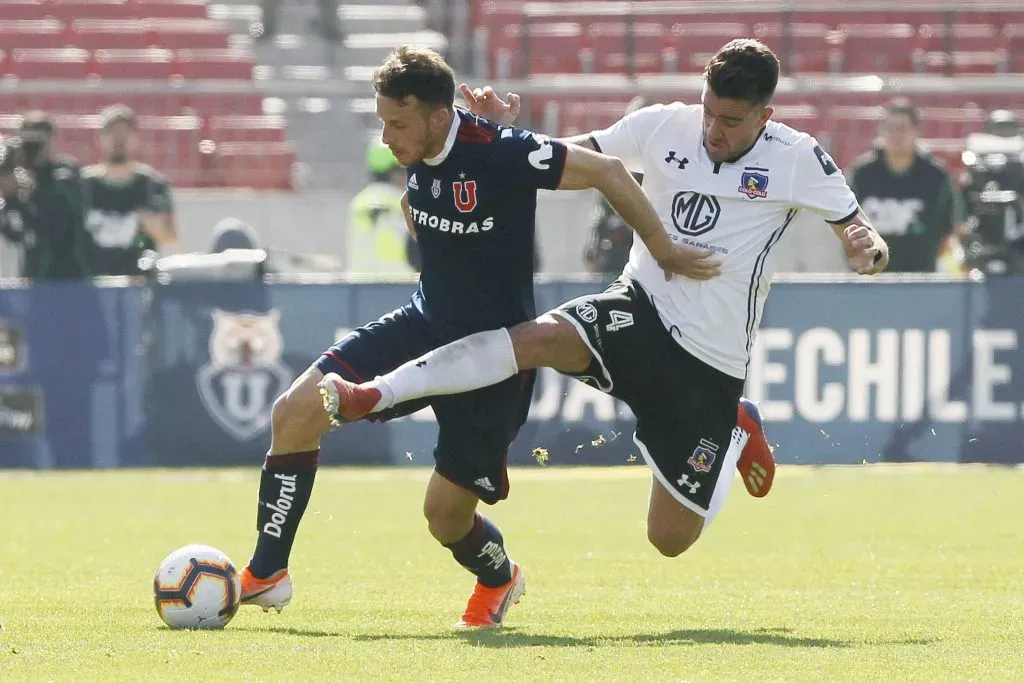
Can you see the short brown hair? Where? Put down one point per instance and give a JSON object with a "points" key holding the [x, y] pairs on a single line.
{"points": [[744, 69], [37, 120], [416, 71], [901, 106]]}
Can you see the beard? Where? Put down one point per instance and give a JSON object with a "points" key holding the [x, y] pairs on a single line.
{"points": [[118, 156]]}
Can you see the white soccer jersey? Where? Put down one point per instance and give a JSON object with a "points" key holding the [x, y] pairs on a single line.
{"points": [[739, 209]]}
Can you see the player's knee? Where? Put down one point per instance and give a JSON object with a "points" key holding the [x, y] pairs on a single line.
{"points": [[446, 522], [298, 412], [672, 542], [549, 341], [449, 518]]}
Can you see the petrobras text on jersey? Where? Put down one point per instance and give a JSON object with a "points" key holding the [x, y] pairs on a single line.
{"points": [[441, 224], [885, 375]]}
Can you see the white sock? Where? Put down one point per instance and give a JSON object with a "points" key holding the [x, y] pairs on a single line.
{"points": [[732, 456], [472, 362]]}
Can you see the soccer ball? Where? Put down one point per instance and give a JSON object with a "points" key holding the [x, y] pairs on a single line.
{"points": [[196, 587]]}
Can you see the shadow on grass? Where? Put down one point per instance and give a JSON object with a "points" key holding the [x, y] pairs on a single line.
{"points": [[512, 637]]}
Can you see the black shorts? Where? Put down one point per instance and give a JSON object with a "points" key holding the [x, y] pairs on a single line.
{"points": [[475, 428], [685, 409]]}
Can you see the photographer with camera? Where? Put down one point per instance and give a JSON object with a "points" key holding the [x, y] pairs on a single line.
{"points": [[611, 238], [994, 190], [48, 202], [15, 213]]}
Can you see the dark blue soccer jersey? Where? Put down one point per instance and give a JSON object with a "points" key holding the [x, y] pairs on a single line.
{"points": [[474, 209]]}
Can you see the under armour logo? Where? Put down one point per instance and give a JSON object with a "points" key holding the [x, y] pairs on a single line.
{"points": [[672, 158], [421, 363], [692, 485]]}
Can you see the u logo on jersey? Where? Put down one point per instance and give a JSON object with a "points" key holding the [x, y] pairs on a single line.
{"points": [[465, 195]]}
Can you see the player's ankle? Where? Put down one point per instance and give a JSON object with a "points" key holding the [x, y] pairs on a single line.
{"points": [[387, 394]]}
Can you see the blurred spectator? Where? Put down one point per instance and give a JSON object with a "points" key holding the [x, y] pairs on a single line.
{"points": [[52, 213], [231, 233], [326, 23], [15, 213], [994, 192], [379, 238], [611, 238], [130, 209], [907, 195]]}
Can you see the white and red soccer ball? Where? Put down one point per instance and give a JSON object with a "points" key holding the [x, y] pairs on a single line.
{"points": [[197, 587]]}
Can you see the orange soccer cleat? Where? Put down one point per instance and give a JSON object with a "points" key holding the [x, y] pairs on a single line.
{"points": [[756, 464], [487, 607], [275, 591]]}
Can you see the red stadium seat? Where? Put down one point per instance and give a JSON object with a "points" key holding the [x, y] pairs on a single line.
{"points": [[951, 122], [211, 104], [247, 128], [804, 117], [608, 45], [987, 62], [256, 165], [70, 10], [150, 63], [97, 34], [1013, 43], [171, 141], [59, 64], [168, 9], [958, 37], [815, 48], [696, 42], [878, 48], [553, 47], [188, 34], [22, 9], [32, 33], [214, 64]]}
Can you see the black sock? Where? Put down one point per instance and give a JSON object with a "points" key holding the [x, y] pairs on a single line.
{"points": [[482, 552], [285, 486]]}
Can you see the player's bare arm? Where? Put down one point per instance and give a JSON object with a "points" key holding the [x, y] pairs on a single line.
{"points": [[160, 227], [866, 251], [586, 169]]}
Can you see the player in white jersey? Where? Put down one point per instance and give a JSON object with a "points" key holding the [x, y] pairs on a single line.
{"points": [[724, 178]]}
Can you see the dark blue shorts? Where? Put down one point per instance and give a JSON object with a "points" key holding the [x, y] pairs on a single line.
{"points": [[475, 428]]}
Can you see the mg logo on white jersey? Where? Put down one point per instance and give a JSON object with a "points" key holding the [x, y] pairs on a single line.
{"points": [[694, 213]]}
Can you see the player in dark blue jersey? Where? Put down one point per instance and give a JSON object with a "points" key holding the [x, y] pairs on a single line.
{"points": [[472, 195]]}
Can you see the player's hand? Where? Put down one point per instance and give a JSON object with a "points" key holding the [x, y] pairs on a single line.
{"points": [[484, 102], [864, 255], [696, 264]]}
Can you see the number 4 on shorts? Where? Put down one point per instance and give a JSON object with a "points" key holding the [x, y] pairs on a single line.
{"points": [[620, 320]]}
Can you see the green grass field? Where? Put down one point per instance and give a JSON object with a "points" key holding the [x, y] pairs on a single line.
{"points": [[870, 573]]}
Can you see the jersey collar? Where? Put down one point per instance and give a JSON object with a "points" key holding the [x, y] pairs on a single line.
{"points": [[449, 142]]}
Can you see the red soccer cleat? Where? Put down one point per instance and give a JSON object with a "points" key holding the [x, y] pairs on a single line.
{"points": [[346, 401], [756, 464]]}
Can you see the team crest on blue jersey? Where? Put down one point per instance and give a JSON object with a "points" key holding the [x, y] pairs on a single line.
{"points": [[754, 184], [703, 456], [465, 194], [435, 188], [245, 372]]}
